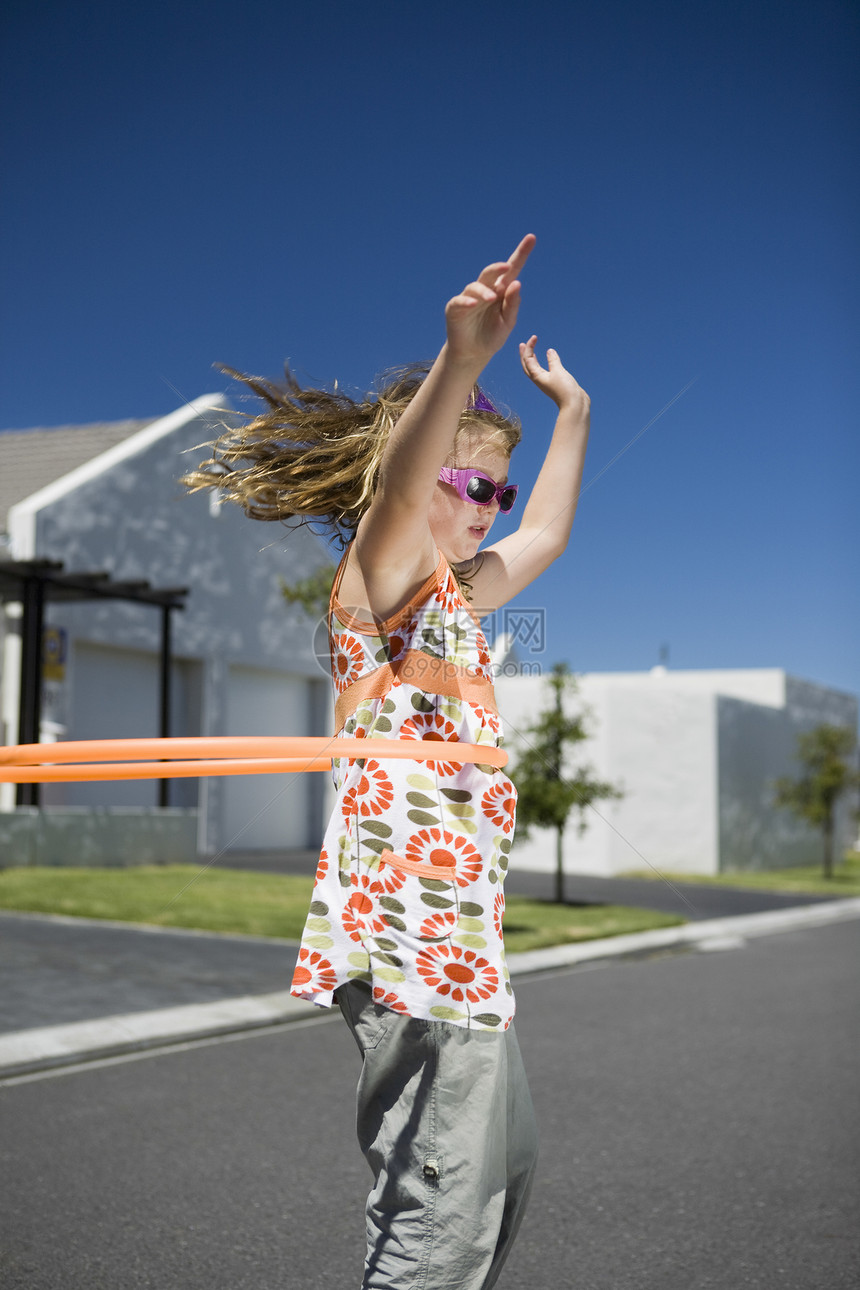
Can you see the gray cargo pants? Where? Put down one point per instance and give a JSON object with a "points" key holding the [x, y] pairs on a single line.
{"points": [[446, 1123]]}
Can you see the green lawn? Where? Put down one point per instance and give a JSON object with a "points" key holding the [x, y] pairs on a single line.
{"points": [[845, 880], [534, 924], [260, 904], [218, 900]]}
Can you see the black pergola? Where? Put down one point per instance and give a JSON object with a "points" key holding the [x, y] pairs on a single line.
{"points": [[34, 583]]}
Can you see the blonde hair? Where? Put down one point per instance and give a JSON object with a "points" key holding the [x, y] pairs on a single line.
{"points": [[314, 455]]}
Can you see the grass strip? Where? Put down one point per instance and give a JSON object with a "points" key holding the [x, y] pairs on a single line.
{"points": [[216, 900], [536, 924], [806, 879], [262, 904]]}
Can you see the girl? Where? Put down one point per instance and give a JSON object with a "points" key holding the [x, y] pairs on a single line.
{"points": [[404, 931]]}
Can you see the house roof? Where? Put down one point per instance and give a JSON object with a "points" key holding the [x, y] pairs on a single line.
{"points": [[31, 459]]}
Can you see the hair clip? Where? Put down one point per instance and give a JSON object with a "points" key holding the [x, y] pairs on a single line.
{"points": [[480, 403]]}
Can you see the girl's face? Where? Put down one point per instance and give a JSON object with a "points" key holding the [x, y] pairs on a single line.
{"points": [[460, 527]]}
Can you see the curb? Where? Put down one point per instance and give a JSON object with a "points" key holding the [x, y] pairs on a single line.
{"points": [[149, 929], [711, 933], [23, 1052], [26, 1052]]}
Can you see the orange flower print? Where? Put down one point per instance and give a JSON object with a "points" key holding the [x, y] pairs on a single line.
{"points": [[449, 598], [389, 1000], [457, 973], [446, 851], [498, 913], [388, 880], [439, 926], [499, 805], [484, 656], [313, 972], [372, 794], [430, 725], [322, 866], [488, 719], [346, 660], [359, 918]]}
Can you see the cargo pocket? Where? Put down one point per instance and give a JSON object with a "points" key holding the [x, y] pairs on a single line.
{"points": [[368, 1021], [424, 904]]}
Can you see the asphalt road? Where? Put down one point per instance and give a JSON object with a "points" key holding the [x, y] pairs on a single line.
{"points": [[54, 972], [699, 1117]]}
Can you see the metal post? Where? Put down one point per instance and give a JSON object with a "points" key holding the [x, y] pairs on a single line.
{"points": [[30, 710], [164, 697]]}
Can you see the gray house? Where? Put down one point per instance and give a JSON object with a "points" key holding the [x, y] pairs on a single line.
{"points": [[105, 499]]}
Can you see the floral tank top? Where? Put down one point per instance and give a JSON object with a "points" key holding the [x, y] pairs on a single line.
{"points": [[408, 893]]}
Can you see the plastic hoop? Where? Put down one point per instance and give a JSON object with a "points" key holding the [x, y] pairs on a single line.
{"points": [[75, 761]]}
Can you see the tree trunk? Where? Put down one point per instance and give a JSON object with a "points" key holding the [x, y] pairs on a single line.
{"points": [[559, 867], [828, 846]]}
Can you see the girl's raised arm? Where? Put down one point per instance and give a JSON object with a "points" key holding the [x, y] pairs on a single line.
{"points": [[512, 563], [394, 551]]}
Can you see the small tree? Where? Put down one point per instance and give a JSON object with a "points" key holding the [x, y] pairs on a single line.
{"points": [[813, 797], [312, 593], [546, 796]]}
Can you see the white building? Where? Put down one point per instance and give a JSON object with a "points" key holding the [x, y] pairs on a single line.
{"points": [[106, 498], [695, 754]]}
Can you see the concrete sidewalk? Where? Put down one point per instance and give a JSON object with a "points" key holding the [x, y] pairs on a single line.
{"points": [[78, 990]]}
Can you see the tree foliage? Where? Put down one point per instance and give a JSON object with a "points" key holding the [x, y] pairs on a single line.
{"points": [[547, 792], [312, 593], [827, 775]]}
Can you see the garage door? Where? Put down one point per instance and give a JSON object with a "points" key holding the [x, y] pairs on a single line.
{"points": [[266, 812], [115, 695]]}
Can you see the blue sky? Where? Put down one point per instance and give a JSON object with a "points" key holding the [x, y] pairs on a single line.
{"points": [[208, 182]]}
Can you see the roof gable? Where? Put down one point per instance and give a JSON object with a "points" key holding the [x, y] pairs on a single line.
{"points": [[32, 459]]}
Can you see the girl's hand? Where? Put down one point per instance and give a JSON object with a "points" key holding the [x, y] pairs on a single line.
{"points": [[482, 317], [554, 379]]}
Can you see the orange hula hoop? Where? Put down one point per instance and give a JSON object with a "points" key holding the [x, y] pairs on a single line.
{"points": [[114, 759]]}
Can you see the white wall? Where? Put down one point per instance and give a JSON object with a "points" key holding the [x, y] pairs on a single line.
{"points": [[658, 746], [662, 754], [765, 685]]}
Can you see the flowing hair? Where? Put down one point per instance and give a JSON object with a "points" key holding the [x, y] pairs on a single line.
{"points": [[313, 456]]}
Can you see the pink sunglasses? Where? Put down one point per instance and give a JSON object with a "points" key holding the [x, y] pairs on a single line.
{"points": [[474, 486]]}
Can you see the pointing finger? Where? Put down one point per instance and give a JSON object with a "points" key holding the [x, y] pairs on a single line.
{"points": [[501, 274], [521, 254]]}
